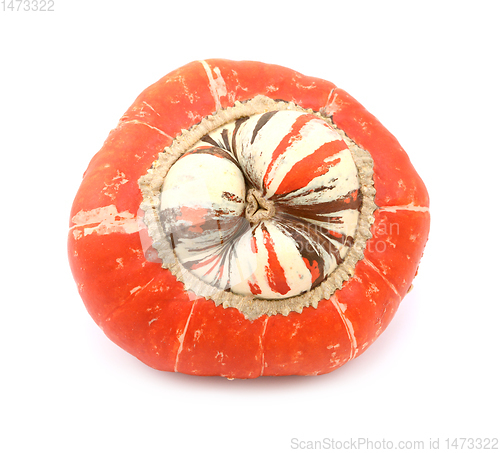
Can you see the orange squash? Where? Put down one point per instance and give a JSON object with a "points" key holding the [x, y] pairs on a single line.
{"points": [[246, 220]]}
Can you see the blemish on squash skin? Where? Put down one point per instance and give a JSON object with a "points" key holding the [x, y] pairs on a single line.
{"points": [[151, 108], [408, 207], [347, 324], [142, 123], [104, 220], [217, 85], [133, 290], [331, 105], [381, 270], [116, 182], [181, 337]]}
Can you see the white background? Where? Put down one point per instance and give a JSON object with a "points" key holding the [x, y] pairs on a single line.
{"points": [[428, 70]]}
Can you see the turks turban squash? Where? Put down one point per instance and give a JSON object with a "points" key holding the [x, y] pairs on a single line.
{"points": [[246, 220]]}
